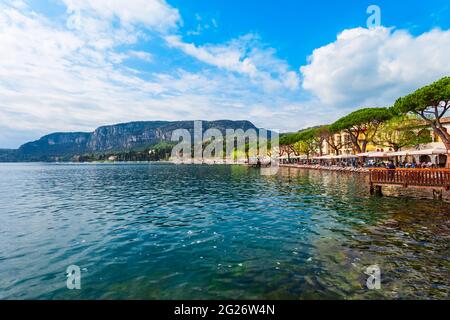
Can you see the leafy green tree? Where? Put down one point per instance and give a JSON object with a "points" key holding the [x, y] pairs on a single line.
{"points": [[308, 142], [402, 131], [304, 147], [320, 136], [362, 126], [305, 142], [431, 103]]}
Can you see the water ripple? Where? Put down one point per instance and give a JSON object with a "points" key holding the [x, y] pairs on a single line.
{"points": [[195, 232]]}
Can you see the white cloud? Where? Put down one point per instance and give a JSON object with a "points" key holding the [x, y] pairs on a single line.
{"points": [[120, 57], [374, 67], [154, 14], [245, 56], [229, 57], [19, 4], [104, 25], [53, 78]]}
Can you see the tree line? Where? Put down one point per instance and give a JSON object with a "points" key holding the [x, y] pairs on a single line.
{"points": [[404, 124], [159, 152]]}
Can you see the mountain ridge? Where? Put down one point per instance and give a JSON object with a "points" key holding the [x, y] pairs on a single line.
{"points": [[108, 139]]}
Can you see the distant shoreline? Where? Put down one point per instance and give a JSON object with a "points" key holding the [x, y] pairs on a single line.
{"points": [[115, 162], [83, 163]]}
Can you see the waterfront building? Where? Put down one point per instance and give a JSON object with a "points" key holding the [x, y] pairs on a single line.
{"points": [[343, 151]]}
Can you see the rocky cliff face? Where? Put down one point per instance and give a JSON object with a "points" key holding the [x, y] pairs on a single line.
{"points": [[114, 138], [131, 135], [55, 144]]}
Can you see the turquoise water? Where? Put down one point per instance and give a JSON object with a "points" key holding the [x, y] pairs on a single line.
{"points": [[212, 232]]}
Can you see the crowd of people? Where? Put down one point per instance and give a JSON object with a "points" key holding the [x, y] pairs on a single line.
{"points": [[358, 164], [402, 165]]}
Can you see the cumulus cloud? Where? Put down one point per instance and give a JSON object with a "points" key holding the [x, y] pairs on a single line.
{"points": [[374, 67]]}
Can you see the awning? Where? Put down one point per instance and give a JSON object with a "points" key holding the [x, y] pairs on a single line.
{"points": [[347, 156], [333, 157], [373, 154], [327, 157], [292, 157], [431, 151], [427, 152]]}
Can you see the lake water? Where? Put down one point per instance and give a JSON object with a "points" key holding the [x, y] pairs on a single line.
{"points": [[211, 232]]}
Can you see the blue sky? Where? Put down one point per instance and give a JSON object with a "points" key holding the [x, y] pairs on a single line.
{"points": [[73, 65], [297, 27]]}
